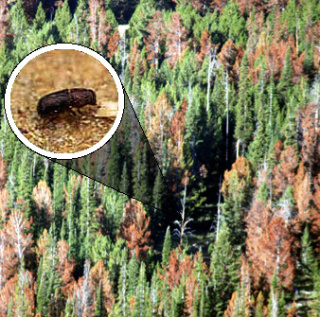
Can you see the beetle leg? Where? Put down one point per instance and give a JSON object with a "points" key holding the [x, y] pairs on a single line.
{"points": [[73, 112]]}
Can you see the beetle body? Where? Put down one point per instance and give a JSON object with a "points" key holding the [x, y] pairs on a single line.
{"points": [[64, 100]]}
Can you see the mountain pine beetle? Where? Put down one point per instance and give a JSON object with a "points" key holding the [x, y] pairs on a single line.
{"points": [[64, 100]]}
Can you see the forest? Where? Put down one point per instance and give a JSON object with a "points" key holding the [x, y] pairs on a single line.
{"points": [[228, 96]]}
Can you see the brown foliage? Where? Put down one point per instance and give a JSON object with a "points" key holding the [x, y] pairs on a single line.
{"points": [[135, 61], [228, 54], [16, 229], [219, 4], [100, 29], [258, 5], [292, 311], [302, 194], [15, 244], [175, 143], [6, 293], [158, 118], [269, 246], [3, 21], [284, 173], [113, 43], [94, 7], [206, 46], [4, 196], [100, 277], [153, 42], [176, 39], [179, 267], [235, 180], [43, 199], [134, 229], [232, 307], [65, 268]]}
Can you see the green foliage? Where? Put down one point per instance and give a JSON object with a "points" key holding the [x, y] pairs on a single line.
{"points": [[223, 268], [232, 24], [244, 120], [140, 19], [264, 92], [62, 19], [166, 247]]}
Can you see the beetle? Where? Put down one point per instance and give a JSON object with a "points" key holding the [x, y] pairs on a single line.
{"points": [[64, 100]]}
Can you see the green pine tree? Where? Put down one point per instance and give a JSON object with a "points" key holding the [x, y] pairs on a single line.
{"points": [[166, 250], [62, 20], [224, 270]]}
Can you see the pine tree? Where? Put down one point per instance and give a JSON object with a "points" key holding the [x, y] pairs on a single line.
{"points": [[114, 164], [40, 17], [237, 180], [244, 122], [23, 301], [276, 300], [176, 39], [285, 83], [79, 28], [71, 196], [123, 286], [140, 306], [24, 185], [58, 200], [99, 310], [140, 19], [223, 268], [154, 41], [259, 309], [133, 276], [166, 250], [88, 222], [62, 20]]}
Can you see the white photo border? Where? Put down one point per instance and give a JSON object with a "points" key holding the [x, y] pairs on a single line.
{"points": [[64, 46]]}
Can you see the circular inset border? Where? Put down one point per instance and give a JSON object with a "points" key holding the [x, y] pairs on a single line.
{"points": [[63, 46]]}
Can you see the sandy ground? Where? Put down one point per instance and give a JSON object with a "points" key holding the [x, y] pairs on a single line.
{"points": [[58, 70]]}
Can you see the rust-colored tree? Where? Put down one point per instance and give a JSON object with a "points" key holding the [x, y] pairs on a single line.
{"points": [[15, 245], [158, 118], [154, 41], [227, 56], [3, 21], [65, 268], [176, 39], [100, 278], [135, 61], [284, 172], [93, 19], [175, 143], [16, 230], [134, 229], [99, 28], [43, 199], [269, 246], [113, 43], [206, 46], [177, 268]]}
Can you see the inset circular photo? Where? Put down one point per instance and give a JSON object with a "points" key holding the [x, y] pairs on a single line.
{"points": [[64, 101]]}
